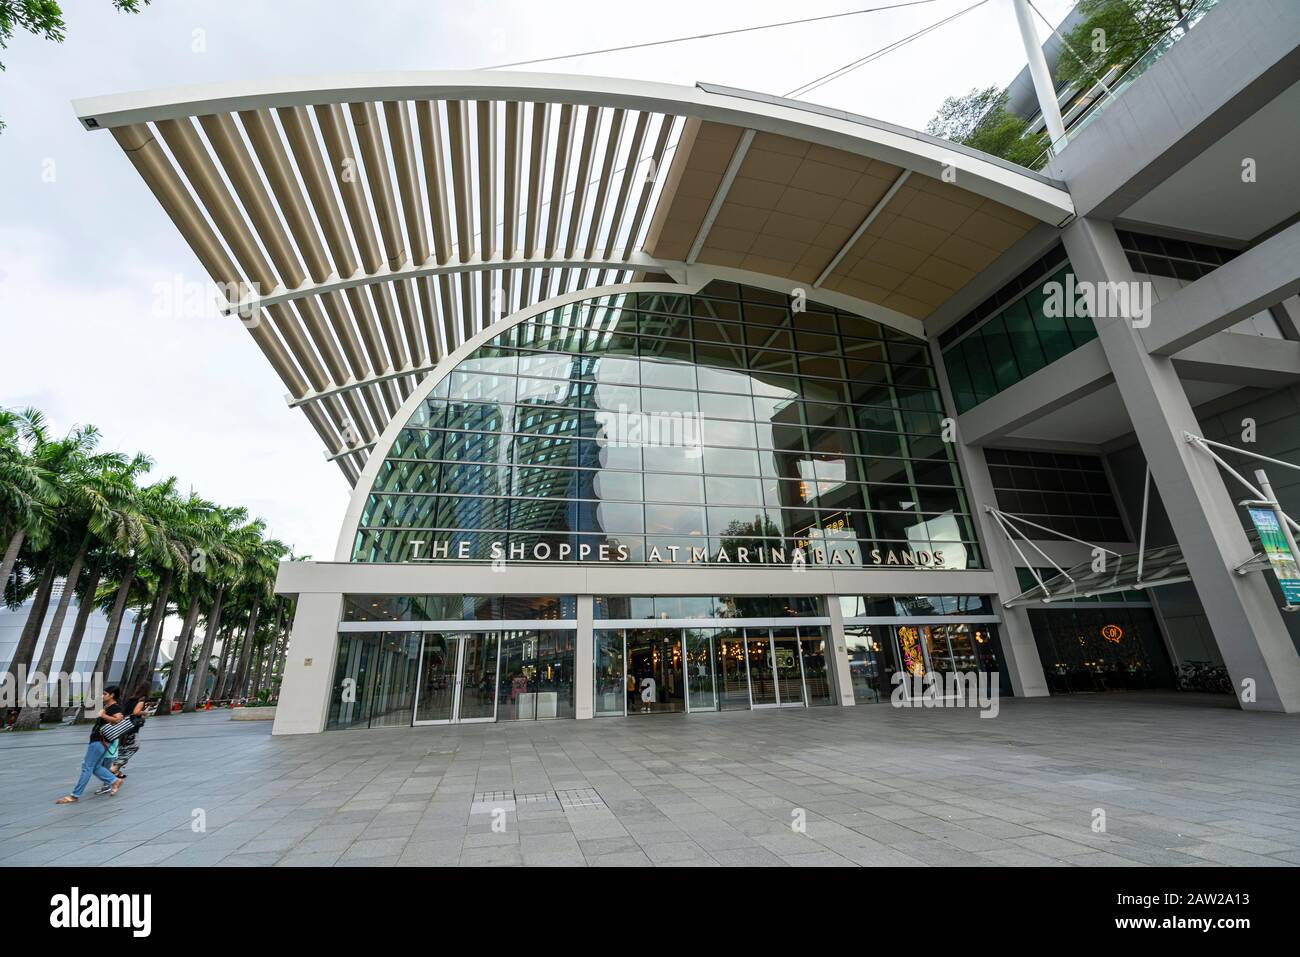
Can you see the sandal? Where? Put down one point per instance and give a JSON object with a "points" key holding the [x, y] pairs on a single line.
{"points": [[112, 791], [67, 799]]}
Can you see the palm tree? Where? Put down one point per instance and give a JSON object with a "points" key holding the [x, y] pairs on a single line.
{"points": [[261, 563], [233, 536], [69, 511], [26, 492]]}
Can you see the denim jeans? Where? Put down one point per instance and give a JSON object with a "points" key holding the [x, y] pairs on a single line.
{"points": [[93, 764]]}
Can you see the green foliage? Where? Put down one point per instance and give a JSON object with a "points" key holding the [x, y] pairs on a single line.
{"points": [[44, 18], [1115, 33], [63, 496], [980, 120]]}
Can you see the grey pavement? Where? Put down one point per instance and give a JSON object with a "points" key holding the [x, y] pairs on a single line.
{"points": [[1180, 780]]}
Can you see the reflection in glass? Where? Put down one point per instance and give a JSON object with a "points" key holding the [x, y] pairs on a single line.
{"points": [[700, 683], [732, 672], [789, 671], [762, 685], [535, 679], [437, 685], [612, 692], [478, 677], [866, 670], [654, 662], [821, 398], [816, 678]]}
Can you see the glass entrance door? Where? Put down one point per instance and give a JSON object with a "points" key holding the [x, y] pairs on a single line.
{"points": [[478, 678], [762, 681], [457, 678], [788, 667], [654, 663], [435, 690], [535, 675]]}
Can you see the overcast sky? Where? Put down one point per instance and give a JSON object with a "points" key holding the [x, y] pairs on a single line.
{"points": [[85, 248]]}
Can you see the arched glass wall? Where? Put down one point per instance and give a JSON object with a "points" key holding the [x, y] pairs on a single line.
{"points": [[651, 428]]}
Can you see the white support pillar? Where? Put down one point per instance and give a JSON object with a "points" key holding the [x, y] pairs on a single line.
{"points": [[1243, 615], [1038, 71], [584, 660], [837, 655], [309, 665], [1015, 634]]}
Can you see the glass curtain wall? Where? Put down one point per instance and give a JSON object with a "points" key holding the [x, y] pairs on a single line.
{"points": [[657, 670], [396, 679], [662, 429]]}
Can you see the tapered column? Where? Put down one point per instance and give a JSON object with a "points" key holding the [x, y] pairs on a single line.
{"points": [[584, 660], [1016, 635], [1243, 614], [837, 655]]}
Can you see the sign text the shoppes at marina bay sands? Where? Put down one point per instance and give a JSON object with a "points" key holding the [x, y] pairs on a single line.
{"points": [[498, 552]]}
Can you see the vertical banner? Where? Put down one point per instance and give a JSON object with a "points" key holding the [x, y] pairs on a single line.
{"points": [[1278, 551]]}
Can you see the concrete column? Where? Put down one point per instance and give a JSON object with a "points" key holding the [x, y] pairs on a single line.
{"points": [[1039, 73], [584, 660], [309, 665], [837, 655], [1019, 649], [1246, 622]]}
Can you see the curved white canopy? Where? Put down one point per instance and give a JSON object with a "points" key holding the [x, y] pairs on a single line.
{"points": [[364, 226]]}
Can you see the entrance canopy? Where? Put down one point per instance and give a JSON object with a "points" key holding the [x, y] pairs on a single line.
{"points": [[363, 227], [1160, 566]]}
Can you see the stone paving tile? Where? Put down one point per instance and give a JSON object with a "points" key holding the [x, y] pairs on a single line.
{"points": [[1183, 781]]}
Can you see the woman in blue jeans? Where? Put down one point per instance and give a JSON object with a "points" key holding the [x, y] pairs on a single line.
{"points": [[97, 749]]}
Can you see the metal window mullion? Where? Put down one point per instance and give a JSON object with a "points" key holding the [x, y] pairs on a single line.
{"points": [[614, 139], [201, 172], [457, 132], [513, 160], [487, 150], [312, 168], [347, 175], [657, 158], [625, 181], [541, 118], [256, 201], [559, 176], [398, 123], [278, 170], [435, 176], [581, 185], [447, 300]]}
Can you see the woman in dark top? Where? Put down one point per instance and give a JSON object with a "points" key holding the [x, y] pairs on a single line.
{"points": [[93, 763], [127, 745]]}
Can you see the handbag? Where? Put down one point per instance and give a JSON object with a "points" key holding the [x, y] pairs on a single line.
{"points": [[112, 731]]}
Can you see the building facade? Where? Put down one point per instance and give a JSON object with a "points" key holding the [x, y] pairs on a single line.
{"points": [[657, 399]]}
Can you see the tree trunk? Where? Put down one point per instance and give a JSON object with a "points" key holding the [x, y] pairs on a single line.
{"points": [[153, 629], [182, 655], [133, 650], [85, 605], [10, 559], [22, 656], [246, 650], [109, 645], [227, 646], [200, 682], [29, 719]]}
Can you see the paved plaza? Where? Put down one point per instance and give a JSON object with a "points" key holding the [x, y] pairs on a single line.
{"points": [[1181, 779]]}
